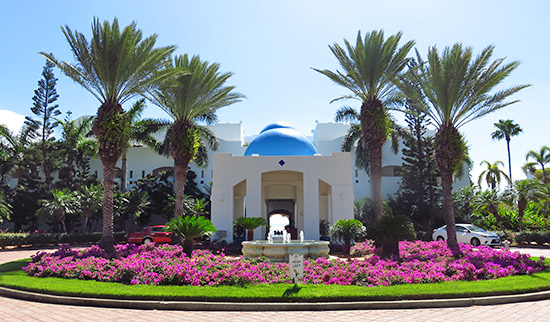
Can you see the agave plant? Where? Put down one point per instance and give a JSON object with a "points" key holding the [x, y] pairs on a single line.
{"points": [[347, 230], [250, 223], [189, 228]]}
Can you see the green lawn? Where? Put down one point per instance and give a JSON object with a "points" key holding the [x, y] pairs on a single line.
{"points": [[12, 276]]}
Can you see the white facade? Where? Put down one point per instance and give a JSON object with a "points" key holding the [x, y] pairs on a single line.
{"points": [[322, 186]]}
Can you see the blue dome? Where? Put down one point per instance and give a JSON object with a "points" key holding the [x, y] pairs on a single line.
{"points": [[280, 139], [276, 125]]}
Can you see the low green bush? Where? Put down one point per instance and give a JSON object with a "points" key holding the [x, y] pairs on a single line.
{"points": [[43, 239]]}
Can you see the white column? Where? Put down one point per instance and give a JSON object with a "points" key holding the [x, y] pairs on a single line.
{"points": [[254, 200], [311, 207], [222, 210]]}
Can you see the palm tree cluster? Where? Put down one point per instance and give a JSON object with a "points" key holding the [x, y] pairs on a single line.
{"points": [[116, 65], [452, 87]]}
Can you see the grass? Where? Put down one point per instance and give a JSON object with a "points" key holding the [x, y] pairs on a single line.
{"points": [[12, 276]]}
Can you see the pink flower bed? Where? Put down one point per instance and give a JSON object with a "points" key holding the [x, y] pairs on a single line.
{"points": [[422, 262]]}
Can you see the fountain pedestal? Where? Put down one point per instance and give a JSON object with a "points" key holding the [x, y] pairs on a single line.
{"points": [[278, 251]]}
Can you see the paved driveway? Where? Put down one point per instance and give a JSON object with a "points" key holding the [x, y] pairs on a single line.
{"points": [[16, 310]]}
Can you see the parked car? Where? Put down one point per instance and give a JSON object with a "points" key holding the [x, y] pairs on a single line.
{"points": [[469, 234], [157, 234]]}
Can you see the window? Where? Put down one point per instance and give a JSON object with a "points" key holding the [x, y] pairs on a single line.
{"points": [[356, 173], [143, 173], [202, 173], [131, 174]]}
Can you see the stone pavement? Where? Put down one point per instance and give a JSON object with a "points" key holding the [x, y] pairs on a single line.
{"points": [[17, 310]]}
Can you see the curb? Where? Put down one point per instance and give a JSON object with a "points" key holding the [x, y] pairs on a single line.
{"points": [[277, 306]]}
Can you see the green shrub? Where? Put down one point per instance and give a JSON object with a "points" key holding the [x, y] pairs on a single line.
{"points": [[20, 239]]}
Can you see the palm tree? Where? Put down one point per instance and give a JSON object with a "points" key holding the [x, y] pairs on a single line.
{"points": [[189, 98], [541, 158], [189, 228], [505, 130], [347, 230], [76, 144], [140, 131], [487, 202], [88, 200], [492, 175], [115, 66], [249, 224], [523, 192], [368, 70], [62, 204], [453, 89], [354, 136], [389, 231]]}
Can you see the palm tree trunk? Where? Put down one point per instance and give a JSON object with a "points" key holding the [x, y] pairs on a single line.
{"points": [[181, 164], [509, 162], [373, 125], [188, 246], [124, 170], [448, 211], [376, 181], [107, 240]]}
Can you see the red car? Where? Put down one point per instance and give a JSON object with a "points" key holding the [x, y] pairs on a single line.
{"points": [[157, 234]]}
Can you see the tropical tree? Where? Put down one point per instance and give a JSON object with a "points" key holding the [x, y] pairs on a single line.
{"points": [[5, 208], [541, 158], [141, 131], [88, 200], [76, 144], [249, 224], [455, 88], [192, 96], [354, 136], [62, 204], [505, 130], [189, 228], [347, 230], [46, 111], [492, 175], [389, 231], [115, 66], [367, 71], [486, 202], [523, 192]]}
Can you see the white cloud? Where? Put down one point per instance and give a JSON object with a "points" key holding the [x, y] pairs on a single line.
{"points": [[12, 120]]}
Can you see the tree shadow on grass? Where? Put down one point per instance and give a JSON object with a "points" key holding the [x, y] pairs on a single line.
{"points": [[292, 291]]}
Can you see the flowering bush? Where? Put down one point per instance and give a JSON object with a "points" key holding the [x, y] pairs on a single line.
{"points": [[363, 249], [422, 262]]}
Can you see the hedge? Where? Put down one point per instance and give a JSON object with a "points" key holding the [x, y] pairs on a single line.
{"points": [[43, 239]]}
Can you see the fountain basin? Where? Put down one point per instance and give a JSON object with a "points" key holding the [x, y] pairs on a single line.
{"points": [[277, 251]]}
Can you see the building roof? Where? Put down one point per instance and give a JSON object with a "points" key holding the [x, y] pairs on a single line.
{"points": [[280, 139]]}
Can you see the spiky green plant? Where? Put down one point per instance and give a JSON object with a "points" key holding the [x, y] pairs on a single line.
{"points": [[189, 228], [389, 231], [250, 223], [347, 230]]}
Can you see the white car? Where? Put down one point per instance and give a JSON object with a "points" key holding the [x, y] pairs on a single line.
{"points": [[469, 234]]}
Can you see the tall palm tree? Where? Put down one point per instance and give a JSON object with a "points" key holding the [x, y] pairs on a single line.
{"points": [[541, 158], [141, 131], [505, 130], [367, 71], [492, 175], [115, 66], [189, 98], [523, 192], [453, 89]]}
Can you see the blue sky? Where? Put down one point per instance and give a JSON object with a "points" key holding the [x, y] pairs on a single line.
{"points": [[271, 46]]}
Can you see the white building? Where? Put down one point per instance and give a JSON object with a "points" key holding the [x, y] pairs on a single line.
{"points": [[280, 171]]}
